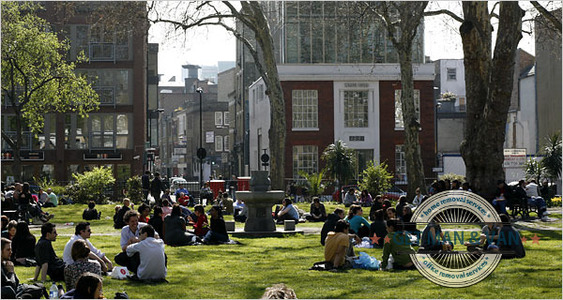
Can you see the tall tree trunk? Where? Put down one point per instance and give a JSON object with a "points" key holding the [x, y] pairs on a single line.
{"points": [[413, 156], [269, 72], [488, 84]]}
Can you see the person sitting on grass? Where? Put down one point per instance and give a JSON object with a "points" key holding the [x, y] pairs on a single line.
{"points": [[91, 213], [144, 212], [47, 261], [398, 244], [80, 265], [350, 198], [183, 199], [433, 238], [150, 250], [399, 208], [365, 199], [390, 213], [218, 231], [82, 232], [166, 209], [377, 205], [118, 217], [358, 224], [318, 211], [227, 204], [200, 223], [330, 223], [509, 240], [23, 245], [11, 286], [156, 221], [487, 239], [240, 212], [129, 236], [378, 229], [88, 286], [175, 228], [287, 212], [338, 245], [11, 230]]}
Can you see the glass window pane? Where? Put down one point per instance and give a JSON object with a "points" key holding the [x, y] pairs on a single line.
{"points": [[356, 109], [122, 124]]}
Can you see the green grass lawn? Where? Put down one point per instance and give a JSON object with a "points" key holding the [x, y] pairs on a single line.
{"points": [[244, 271]]}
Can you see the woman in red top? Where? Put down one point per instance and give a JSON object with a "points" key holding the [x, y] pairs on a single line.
{"points": [[201, 226]]}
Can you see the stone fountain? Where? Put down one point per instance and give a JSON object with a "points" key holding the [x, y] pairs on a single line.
{"points": [[259, 201]]}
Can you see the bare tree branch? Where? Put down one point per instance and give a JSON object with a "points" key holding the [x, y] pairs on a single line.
{"points": [[548, 15], [443, 12], [8, 140]]}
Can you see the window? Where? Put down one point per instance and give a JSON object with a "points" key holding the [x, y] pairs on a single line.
{"points": [[400, 165], [102, 131], [218, 118], [399, 123], [451, 73], [305, 158], [113, 86], [226, 144], [260, 92], [226, 118], [355, 108], [305, 108], [218, 143]]}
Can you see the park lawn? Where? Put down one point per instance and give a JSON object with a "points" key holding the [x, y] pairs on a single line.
{"points": [[244, 271]]}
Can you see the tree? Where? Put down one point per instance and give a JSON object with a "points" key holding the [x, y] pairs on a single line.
{"points": [[402, 20], [252, 17], [36, 79], [534, 169], [552, 159], [488, 80], [376, 179], [340, 161], [314, 182], [92, 185]]}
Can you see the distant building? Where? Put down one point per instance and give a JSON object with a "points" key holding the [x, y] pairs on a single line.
{"points": [[121, 68]]}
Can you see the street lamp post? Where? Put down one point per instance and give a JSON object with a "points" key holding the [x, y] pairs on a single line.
{"points": [[200, 152]]}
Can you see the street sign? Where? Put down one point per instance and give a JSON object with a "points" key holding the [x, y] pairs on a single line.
{"points": [[514, 158]]}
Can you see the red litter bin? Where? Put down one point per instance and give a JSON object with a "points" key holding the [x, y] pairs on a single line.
{"points": [[243, 184], [216, 186]]}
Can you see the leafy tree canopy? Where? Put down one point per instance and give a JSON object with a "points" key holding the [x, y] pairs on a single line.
{"points": [[36, 78]]}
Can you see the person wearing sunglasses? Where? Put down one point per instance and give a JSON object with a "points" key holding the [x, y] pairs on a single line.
{"points": [[83, 231]]}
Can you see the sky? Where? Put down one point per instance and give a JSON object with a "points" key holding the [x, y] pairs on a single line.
{"points": [[207, 46]]}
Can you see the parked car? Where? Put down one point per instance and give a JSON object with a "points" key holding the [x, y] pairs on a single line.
{"points": [[394, 193]]}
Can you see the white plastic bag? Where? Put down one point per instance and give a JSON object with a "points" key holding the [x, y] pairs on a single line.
{"points": [[119, 273]]}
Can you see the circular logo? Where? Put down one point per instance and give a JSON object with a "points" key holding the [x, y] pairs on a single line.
{"points": [[463, 210]]}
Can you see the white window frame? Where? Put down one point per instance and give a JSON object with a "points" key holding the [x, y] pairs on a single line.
{"points": [[226, 118], [352, 114], [218, 143], [300, 155], [305, 110], [226, 145], [218, 118], [399, 122], [400, 165]]}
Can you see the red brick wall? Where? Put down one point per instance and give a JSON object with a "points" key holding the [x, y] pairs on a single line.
{"points": [[321, 138], [391, 137]]}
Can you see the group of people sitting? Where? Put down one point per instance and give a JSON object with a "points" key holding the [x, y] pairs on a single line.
{"points": [[19, 197], [394, 233]]}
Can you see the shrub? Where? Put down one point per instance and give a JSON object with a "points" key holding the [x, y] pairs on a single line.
{"points": [[92, 185], [376, 179], [314, 182], [134, 189], [556, 201]]}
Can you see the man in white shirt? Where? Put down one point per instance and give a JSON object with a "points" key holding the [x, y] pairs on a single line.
{"points": [[532, 189], [152, 264], [82, 231], [129, 235]]}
